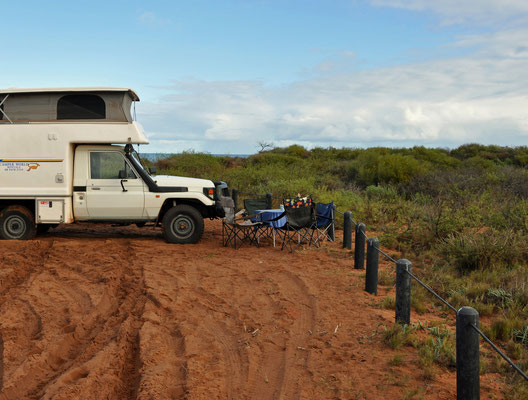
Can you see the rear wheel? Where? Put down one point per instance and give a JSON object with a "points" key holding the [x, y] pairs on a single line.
{"points": [[183, 224], [17, 223]]}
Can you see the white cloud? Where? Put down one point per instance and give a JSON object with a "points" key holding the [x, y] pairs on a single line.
{"points": [[480, 97], [457, 11]]}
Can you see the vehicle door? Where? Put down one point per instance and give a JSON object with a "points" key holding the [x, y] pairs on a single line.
{"points": [[114, 191]]}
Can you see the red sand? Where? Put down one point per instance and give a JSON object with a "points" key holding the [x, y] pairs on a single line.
{"points": [[93, 312]]}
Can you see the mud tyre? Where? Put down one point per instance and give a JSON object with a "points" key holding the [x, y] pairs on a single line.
{"points": [[183, 224], [17, 223]]}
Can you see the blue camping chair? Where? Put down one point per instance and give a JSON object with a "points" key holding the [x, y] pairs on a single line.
{"points": [[325, 221]]}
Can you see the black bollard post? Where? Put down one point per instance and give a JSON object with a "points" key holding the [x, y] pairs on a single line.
{"points": [[347, 231], [269, 201], [467, 354], [371, 278], [403, 291], [331, 230], [359, 249], [234, 196]]}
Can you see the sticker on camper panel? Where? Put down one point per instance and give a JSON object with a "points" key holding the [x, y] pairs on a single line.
{"points": [[18, 165]]}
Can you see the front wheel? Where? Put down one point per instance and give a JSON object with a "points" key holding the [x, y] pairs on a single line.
{"points": [[17, 222], [183, 224]]}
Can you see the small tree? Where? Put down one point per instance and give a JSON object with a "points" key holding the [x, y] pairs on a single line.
{"points": [[265, 146]]}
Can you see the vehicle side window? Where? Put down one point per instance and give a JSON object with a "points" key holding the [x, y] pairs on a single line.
{"points": [[107, 164], [81, 106]]}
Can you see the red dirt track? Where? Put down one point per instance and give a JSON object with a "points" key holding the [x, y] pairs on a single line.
{"points": [[97, 312]]}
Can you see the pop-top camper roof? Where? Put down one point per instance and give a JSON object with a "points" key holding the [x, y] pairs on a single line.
{"points": [[132, 94], [91, 104]]}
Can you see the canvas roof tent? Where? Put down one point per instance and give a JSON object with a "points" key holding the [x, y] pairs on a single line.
{"points": [[91, 104]]}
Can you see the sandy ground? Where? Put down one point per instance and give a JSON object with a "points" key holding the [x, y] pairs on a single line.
{"points": [[100, 312]]}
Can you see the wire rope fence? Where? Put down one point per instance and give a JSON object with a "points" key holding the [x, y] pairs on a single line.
{"points": [[467, 325], [467, 328]]}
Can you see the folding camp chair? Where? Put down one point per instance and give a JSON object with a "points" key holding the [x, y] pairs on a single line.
{"points": [[325, 221], [237, 229], [301, 223], [252, 205]]}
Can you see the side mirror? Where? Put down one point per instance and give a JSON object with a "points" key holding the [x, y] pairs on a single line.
{"points": [[152, 170], [122, 174]]}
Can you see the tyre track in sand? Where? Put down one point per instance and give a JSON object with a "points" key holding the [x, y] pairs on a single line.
{"points": [[17, 267], [284, 356], [86, 315], [217, 321], [258, 318], [161, 344]]}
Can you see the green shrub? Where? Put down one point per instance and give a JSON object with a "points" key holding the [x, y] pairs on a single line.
{"points": [[388, 303], [388, 193], [501, 329], [399, 335], [438, 348], [521, 335], [490, 249]]}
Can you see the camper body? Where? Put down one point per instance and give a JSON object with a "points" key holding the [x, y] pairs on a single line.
{"points": [[66, 155]]}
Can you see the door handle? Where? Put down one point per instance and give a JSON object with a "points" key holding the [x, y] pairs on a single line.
{"points": [[123, 186], [96, 188]]}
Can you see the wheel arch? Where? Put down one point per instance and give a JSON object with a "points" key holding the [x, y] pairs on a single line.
{"points": [[28, 203], [169, 203]]}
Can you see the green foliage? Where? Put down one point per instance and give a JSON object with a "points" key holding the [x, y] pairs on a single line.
{"points": [[399, 335], [388, 303], [438, 349], [419, 299], [196, 165], [388, 193], [376, 166], [477, 250], [521, 335]]}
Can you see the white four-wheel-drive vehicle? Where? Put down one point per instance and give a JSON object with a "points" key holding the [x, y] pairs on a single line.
{"points": [[66, 155]]}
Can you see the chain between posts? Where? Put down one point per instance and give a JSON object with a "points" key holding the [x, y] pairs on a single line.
{"points": [[430, 290], [342, 213], [504, 356], [385, 254]]}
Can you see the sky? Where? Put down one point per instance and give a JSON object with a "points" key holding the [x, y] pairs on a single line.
{"points": [[226, 76]]}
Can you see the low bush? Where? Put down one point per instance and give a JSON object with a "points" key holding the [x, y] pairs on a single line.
{"points": [[399, 335], [470, 251]]}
